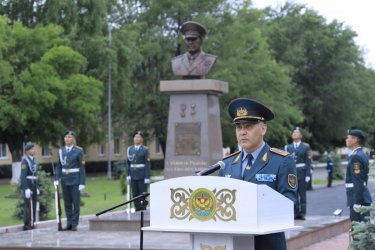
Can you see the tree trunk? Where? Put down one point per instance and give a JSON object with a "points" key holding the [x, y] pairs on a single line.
{"points": [[16, 150]]}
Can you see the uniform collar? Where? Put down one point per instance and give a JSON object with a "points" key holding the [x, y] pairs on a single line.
{"points": [[255, 153]]}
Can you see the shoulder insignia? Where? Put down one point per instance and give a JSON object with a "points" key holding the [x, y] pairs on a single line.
{"points": [[145, 147], [23, 166], [292, 180], [306, 144], [279, 152], [226, 157], [79, 147], [176, 57]]}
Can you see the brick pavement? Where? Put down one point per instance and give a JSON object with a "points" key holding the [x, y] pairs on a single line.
{"points": [[339, 242]]}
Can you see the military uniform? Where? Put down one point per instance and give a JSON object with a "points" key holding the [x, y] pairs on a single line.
{"points": [[272, 167], [193, 64], [199, 65], [329, 168], [70, 168], [302, 156], [29, 168], [356, 183], [138, 168]]}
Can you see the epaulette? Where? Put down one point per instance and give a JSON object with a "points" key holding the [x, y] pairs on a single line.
{"points": [[279, 152], [178, 56], [306, 144], [79, 147], [235, 153]]}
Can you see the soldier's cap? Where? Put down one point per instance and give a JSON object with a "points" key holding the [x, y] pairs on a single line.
{"points": [[193, 29], [29, 146], [138, 133], [247, 110], [297, 128], [69, 132], [357, 133]]}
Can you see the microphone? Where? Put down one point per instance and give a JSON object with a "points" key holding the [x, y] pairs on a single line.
{"points": [[211, 169]]}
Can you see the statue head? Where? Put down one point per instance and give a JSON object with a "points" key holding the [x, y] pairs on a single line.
{"points": [[194, 34]]}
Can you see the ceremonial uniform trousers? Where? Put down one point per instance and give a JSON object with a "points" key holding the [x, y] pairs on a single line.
{"points": [[71, 170], [356, 183], [29, 181], [276, 169]]}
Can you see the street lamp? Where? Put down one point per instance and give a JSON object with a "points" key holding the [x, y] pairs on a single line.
{"points": [[109, 171]]}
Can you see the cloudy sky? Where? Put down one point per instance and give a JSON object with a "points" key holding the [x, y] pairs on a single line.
{"points": [[359, 15]]}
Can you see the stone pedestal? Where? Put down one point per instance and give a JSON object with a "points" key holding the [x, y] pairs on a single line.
{"points": [[194, 139]]}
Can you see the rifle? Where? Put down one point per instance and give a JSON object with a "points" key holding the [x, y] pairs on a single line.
{"points": [[57, 202], [30, 213]]}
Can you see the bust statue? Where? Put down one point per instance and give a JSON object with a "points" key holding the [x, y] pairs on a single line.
{"points": [[194, 64]]}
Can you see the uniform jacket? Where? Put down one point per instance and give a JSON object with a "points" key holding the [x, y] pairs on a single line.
{"points": [[357, 174], [273, 167], [71, 160], [329, 164], [140, 156], [302, 154], [202, 64], [29, 167]]}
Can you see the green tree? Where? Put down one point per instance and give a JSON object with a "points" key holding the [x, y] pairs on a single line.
{"points": [[43, 89], [326, 66]]}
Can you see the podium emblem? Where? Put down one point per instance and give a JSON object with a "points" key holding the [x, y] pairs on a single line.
{"points": [[202, 204]]}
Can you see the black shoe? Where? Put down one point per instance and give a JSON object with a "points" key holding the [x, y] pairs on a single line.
{"points": [[25, 228], [74, 228], [300, 217], [68, 227]]}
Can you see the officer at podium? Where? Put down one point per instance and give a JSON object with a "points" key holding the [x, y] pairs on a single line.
{"points": [[257, 162]]}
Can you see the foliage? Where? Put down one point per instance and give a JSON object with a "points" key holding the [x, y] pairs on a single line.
{"points": [[44, 199], [326, 67], [337, 173], [43, 89]]}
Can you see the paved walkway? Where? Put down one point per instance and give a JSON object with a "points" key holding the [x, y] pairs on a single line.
{"points": [[339, 242]]}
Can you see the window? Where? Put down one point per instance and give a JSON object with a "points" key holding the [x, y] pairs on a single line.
{"points": [[46, 151], [116, 142], [3, 151], [101, 150]]}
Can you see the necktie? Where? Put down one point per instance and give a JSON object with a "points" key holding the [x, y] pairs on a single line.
{"points": [[249, 159]]}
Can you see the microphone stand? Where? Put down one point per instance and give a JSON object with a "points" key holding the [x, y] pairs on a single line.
{"points": [[143, 205]]}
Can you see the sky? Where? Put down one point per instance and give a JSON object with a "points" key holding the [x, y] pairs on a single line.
{"points": [[358, 15]]}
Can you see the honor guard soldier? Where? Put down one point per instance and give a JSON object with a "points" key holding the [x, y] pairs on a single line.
{"points": [[29, 185], [357, 171], [195, 63], [138, 167], [302, 155], [70, 169], [257, 162]]}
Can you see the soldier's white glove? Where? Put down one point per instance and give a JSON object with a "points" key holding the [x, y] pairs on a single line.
{"points": [[128, 177], [55, 183], [147, 181], [37, 191], [28, 193], [307, 178], [80, 187], [357, 208]]}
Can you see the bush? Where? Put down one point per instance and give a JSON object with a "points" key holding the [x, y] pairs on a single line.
{"points": [[337, 171], [45, 197]]}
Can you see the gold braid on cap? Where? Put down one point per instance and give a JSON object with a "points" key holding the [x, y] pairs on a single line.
{"points": [[243, 114]]}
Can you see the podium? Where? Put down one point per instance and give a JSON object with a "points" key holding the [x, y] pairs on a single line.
{"points": [[219, 213]]}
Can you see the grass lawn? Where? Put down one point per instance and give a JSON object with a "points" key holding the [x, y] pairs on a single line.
{"points": [[103, 194]]}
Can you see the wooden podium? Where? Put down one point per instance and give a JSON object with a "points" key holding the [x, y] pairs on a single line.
{"points": [[219, 213]]}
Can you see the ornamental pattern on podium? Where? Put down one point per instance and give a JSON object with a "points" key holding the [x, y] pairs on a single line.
{"points": [[203, 204]]}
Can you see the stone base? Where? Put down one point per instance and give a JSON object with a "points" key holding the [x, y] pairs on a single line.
{"points": [[122, 221]]}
